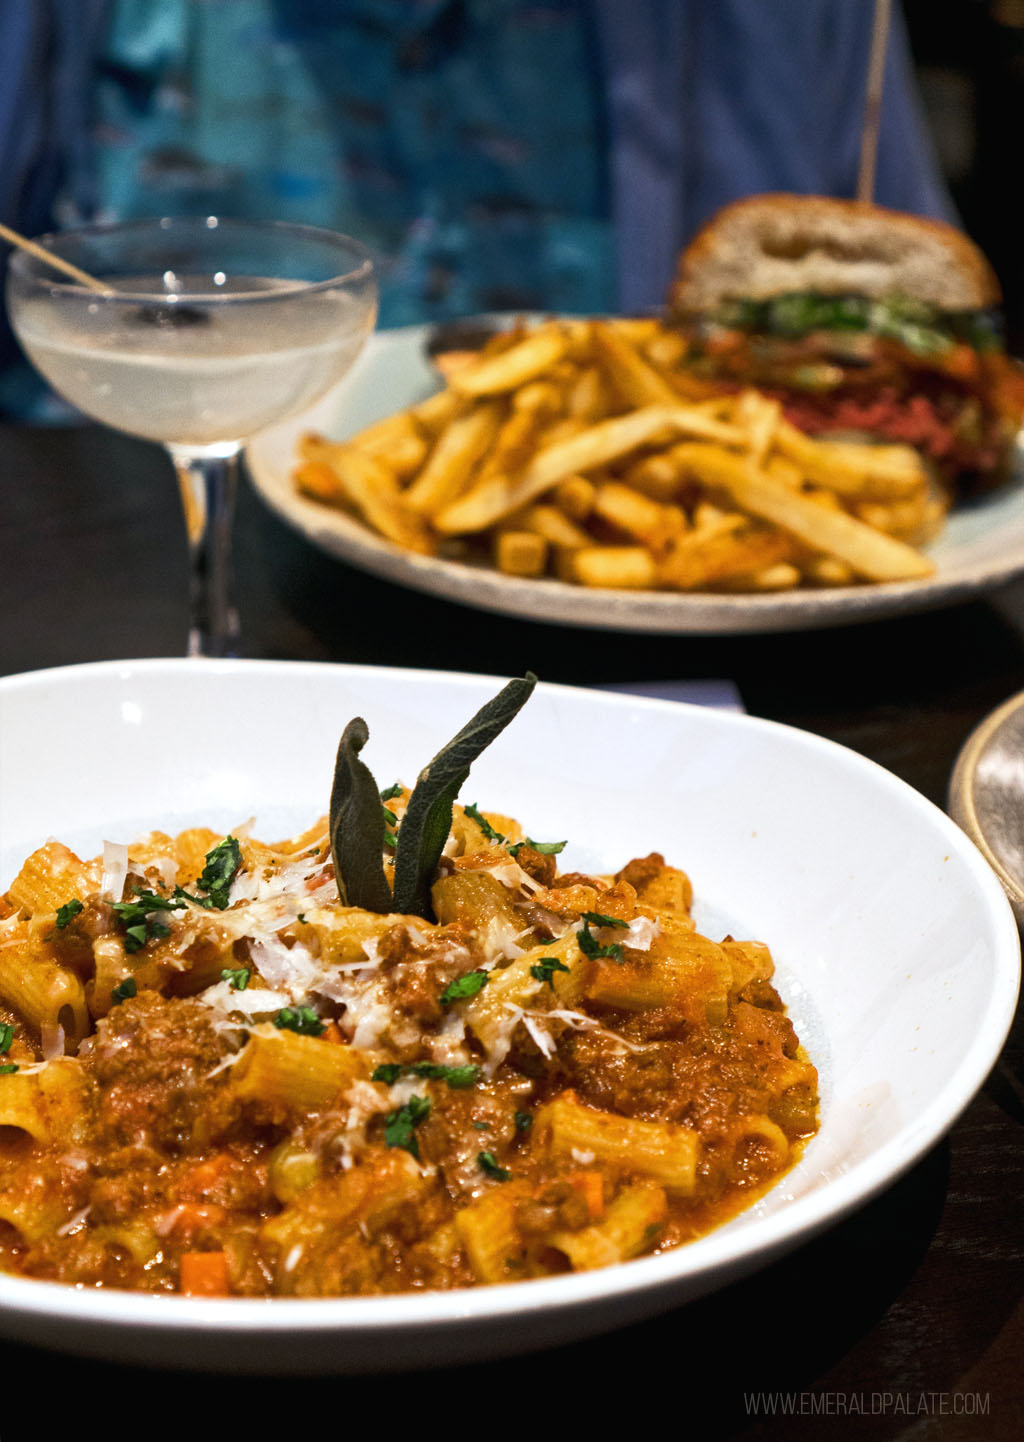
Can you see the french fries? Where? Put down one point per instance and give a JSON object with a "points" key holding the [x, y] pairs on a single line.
{"points": [[454, 457], [587, 451], [497, 375]]}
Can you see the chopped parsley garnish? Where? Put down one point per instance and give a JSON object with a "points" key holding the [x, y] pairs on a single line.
{"points": [[123, 990], [137, 919], [597, 918], [588, 942], [302, 1019], [482, 1126], [464, 986], [523, 1121], [457, 1077], [222, 864], [391, 820], [475, 814], [8, 1068], [543, 848], [238, 976], [67, 913], [301, 918], [400, 1126], [180, 894], [545, 969], [6, 1036], [591, 947], [460, 1077], [489, 1164]]}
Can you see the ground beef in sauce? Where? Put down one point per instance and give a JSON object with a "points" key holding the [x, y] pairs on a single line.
{"points": [[703, 1080], [153, 1059]]}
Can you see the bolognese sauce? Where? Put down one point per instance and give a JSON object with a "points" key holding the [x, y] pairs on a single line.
{"points": [[219, 1079]]}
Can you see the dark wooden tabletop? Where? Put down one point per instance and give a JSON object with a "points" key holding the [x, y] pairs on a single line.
{"points": [[905, 1321]]}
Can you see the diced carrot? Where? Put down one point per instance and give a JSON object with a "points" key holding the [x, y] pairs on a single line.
{"points": [[204, 1274], [590, 1186], [331, 1033]]}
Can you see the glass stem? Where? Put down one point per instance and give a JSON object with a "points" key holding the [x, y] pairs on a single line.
{"points": [[208, 478]]}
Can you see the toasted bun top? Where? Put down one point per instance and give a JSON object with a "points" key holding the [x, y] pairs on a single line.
{"points": [[770, 245]]}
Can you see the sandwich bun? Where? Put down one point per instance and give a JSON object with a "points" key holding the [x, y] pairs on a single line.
{"points": [[774, 244]]}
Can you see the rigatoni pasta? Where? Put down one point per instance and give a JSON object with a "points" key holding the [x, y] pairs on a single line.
{"points": [[48, 995], [216, 1077]]}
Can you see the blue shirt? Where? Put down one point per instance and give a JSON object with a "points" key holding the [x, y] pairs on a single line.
{"points": [[495, 154]]}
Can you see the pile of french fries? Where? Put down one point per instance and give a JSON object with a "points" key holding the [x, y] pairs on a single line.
{"points": [[585, 450]]}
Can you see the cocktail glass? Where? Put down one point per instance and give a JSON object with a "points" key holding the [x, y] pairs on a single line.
{"points": [[206, 331]]}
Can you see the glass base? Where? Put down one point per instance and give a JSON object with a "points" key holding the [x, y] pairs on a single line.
{"points": [[208, 480], [226, 643]]}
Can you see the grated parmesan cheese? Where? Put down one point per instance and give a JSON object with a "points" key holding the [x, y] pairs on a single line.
{"points": [[223, 998], [115, 870], [166, 868], [292, 969], [640, 934], [500, 941]]}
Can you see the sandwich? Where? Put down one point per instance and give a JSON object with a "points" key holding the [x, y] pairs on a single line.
{"points": [[861, 321]]}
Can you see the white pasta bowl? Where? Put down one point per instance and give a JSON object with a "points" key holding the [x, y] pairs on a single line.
{"points": [[896, 950]]}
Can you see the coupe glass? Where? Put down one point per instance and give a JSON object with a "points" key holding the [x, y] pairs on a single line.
{"points": [[207, 331]]}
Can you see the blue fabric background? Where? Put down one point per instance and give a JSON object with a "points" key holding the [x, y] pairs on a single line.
{"points": [[495, 154]]}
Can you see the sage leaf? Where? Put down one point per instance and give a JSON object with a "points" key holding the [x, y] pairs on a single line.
{"points": [[357, 826], [428, 816]]}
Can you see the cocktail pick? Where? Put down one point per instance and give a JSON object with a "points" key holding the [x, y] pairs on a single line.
{"points": [[166, 317], [873, 101], [58, 263]]}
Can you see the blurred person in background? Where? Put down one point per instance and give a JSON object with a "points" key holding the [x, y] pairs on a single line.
{"points": [[47, 50], [495, 154]]}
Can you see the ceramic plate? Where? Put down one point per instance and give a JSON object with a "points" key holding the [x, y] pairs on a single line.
{"points": [[896, 949], [986, 795], [981, 547]]}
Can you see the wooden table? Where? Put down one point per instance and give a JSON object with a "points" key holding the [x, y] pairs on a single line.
{"points": [[906, 1321]]}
